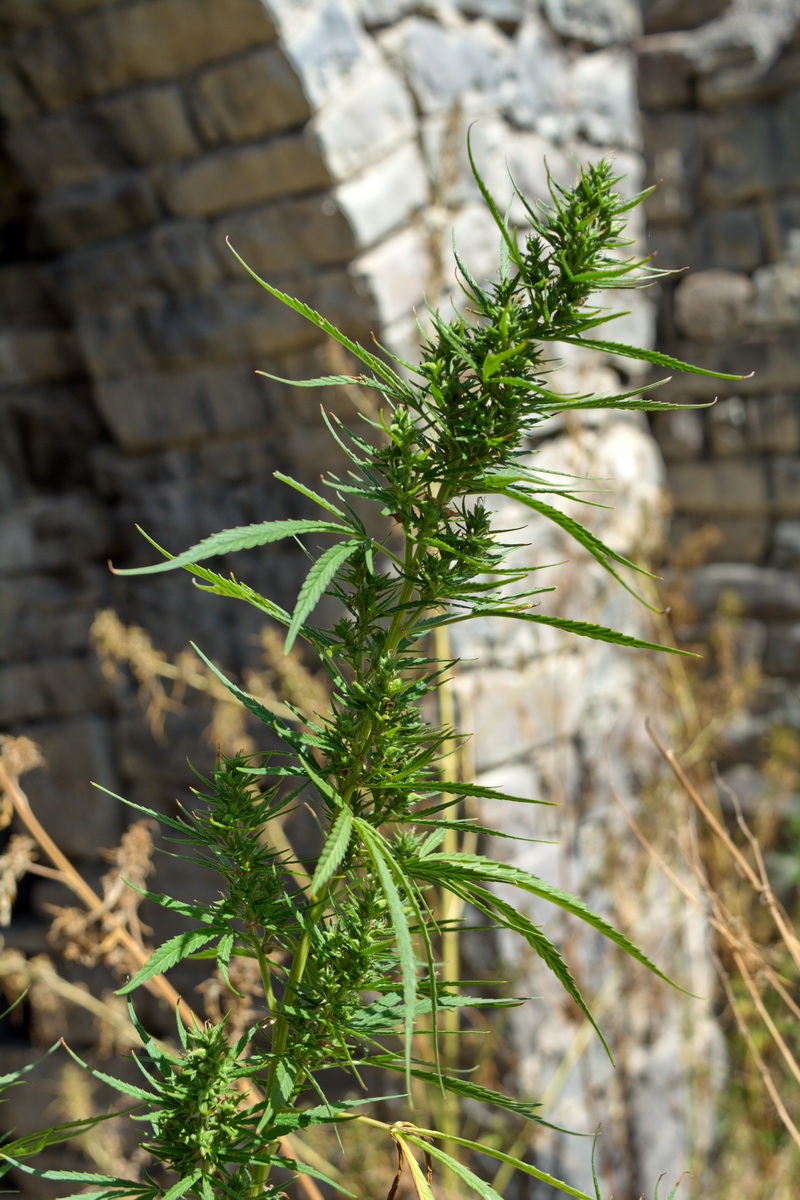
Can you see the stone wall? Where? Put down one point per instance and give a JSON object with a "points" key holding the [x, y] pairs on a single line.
{"points": [[326, 139], [720, 114]]}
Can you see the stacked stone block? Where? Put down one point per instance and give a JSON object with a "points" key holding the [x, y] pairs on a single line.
{"points": [[721, 106], [326, 139]]}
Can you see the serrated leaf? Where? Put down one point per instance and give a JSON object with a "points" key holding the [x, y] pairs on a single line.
{"points": [[651, 356], [386, 869], [600, 633], [167, 955], [309, 492], [291, 736], [242, 537], [376, 364], [333, 851], [315, 583], [480, 1148]]}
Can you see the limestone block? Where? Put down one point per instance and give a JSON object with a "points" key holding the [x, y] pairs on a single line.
{"points": [[742, 153], [383, 197], [513, 712], [144, 42], [599, 23], [47, 616], [776, 303], [77, 751], [673, 150], [150, 410], [396, 273], [57, 151], [30, 356], [248, 98], [736, 87], [738, 539], [539, 95], [679, 434], [17, 103], [504, 12], [276, 237], [26, 295], [376, 13], [729, 239], [785, 484], [763, 591], [665, 77], [150, 125], [173, 256], [662, 15], [243, 175], [722, 487], [326, 46], [373, 116], [713, 305], [602, 92], [88, 212], [782, 655], [234, 321], [49, 687], [50, 430], [785, 544], [54, 533], [767, 423], [440, 64]]}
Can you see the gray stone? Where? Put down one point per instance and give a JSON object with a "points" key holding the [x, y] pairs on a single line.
{"points": [[150, 125], [327, 48], [276, 237], [365, 122], [17, 103], [54, 533], [743, 87], [47, 616], [50, 687], [599, 23], [785, 544], [782, 656], [112, 205], [737, 539], [664, 75], [378, 201], [47, 431], [663, 15], [150, 410], [173, 256], [138, 43], [776, 303], [749, 33], [396, 273], [77, 751], [26, 295], [762, 591], [240, 176], [742, 157], [723, 487], [602, 90], [441, 64], [785, 484], [31, 356], [729, 240], [539, 96], [674, 153], [252, 97], [713, 305], [235, 320], [680, 434], [768, 423], [58, 151]]}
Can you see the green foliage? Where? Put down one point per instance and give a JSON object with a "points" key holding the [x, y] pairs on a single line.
{"points": [[348, 944]]}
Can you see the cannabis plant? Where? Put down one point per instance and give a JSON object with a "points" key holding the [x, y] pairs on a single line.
{"points": [[348, 944]]}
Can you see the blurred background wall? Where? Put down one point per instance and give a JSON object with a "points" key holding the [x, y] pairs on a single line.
{"points": [[327, 140]]}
